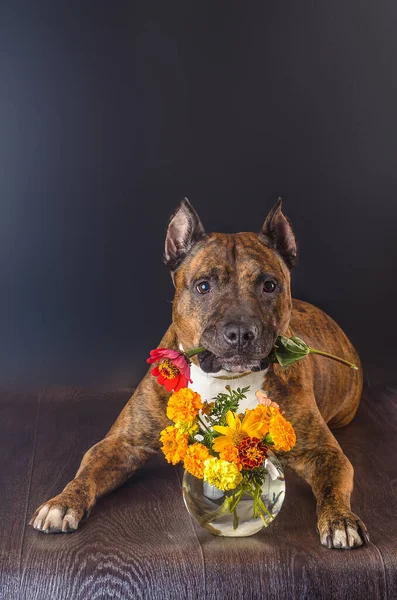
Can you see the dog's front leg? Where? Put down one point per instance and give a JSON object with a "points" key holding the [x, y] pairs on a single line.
{"points": [[131, 441], [319, 459]]}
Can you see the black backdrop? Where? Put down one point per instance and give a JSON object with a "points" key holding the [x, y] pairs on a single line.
{"points": [[110, 112]]}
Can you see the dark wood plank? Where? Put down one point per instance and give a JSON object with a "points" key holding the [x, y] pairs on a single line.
{"points": [[18, 420], [140, 542], [370, 442]]}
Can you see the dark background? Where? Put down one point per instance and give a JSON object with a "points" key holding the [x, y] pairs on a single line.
{"points": [[111, 112]]}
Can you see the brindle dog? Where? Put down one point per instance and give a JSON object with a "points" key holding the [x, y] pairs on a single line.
{"points": [[232, 295]]}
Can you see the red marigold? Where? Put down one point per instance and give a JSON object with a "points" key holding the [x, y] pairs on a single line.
{"points": [[173, 369], [252, 452]]}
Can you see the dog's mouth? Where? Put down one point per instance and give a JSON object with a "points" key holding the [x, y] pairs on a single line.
{"points": [[210, 363]]}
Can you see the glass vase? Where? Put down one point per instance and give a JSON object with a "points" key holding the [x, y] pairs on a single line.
{"points": [[217, 512]]}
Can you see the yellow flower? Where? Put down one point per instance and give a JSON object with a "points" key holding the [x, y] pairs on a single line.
{"points": [[174, 444], [282, 433], [231, 454], [190, 428], [222, 474], [235, 431], [184, 405], [260, 416], [195, 456]]}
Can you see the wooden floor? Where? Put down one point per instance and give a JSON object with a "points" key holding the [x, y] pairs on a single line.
{"points": [[140, 542]]}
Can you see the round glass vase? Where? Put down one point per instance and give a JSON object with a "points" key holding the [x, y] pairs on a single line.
{"points": [[210, 506]]}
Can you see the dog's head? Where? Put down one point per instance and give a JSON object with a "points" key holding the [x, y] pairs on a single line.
{"points": [[232, 291]]}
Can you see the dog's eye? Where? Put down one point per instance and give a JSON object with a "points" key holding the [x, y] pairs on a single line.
{"points": [[203, 287], [269, 286]]}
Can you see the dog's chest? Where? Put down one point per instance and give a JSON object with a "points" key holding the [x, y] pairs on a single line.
{"points": [[209, 385]]}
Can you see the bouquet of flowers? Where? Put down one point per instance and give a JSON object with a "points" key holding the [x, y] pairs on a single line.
{"points": [[215, 442], [227, 450]]}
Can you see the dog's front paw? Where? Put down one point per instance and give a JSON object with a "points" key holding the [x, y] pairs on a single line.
{"points": [[341, 530], [63, 513]]}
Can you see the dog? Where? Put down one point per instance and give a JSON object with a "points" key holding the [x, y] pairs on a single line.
{"points": [[232, 296]]}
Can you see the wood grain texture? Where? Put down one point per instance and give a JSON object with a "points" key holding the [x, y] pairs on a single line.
{"points": [[140, 542], [18, 420]]}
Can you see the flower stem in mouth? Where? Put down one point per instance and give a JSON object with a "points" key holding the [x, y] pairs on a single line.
{"points": [[285, 351], [194, 351]]}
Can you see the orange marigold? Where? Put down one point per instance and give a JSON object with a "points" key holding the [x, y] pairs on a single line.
{"points": [[262, 414], [230, 453], [195, 456], [252, 452], [174, 444], [184, 405], [282, 433]]}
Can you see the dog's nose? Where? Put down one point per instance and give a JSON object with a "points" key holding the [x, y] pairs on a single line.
{"points": [[239, 335]]}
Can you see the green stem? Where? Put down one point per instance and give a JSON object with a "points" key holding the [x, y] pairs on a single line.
{"points": [[256, 507], [228, 506], [341, 360], [222, 510], [263, 520], [194, 351], [236, 499], [235, 519], [264, 508]]}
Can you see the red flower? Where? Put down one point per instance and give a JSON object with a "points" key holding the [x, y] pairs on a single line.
{"points": [[173, 369], [252, 452]]}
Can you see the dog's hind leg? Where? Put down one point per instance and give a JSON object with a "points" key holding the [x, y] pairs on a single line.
{"points": [[350, 405]]}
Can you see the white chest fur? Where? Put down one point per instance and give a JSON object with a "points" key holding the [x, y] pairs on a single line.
{"points": [[209, 385]]}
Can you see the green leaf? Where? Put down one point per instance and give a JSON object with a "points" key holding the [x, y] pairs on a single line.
{"points": [[288, 350], [225, 402]]}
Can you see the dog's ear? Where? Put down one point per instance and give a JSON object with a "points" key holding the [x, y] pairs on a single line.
{"points": [[184, 230], [277, 233]]}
